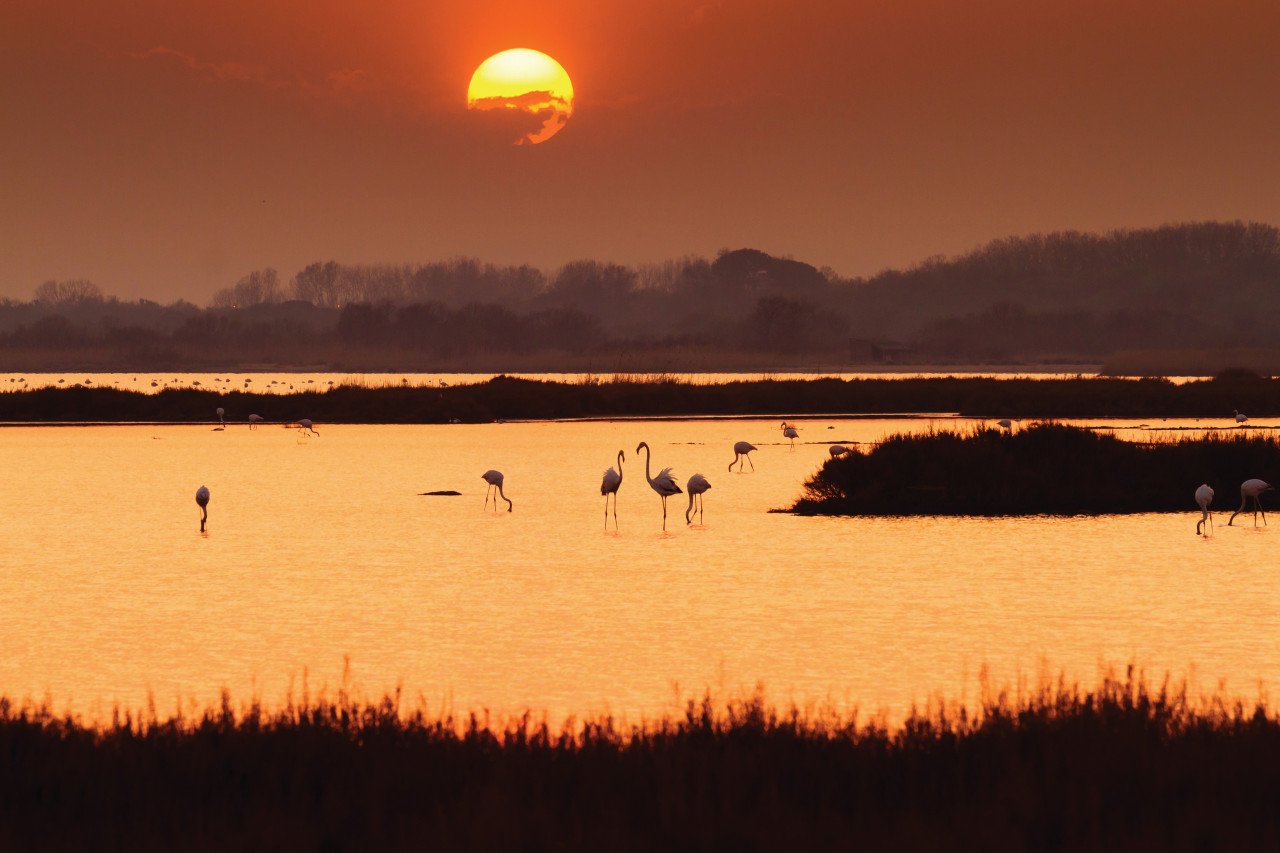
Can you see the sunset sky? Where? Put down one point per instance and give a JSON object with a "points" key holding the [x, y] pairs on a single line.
{"points": [[163, 149]]}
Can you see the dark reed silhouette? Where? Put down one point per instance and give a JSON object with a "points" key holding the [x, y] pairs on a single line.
{"points": [[1042, 469]]}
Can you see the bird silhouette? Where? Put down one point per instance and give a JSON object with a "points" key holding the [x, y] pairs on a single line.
{"points": [[202, 501], [254, 420], [837, 450], [309, 427], [664, 484], [495, 478], [697, 485], [1005, 423], [742, 450], [788, 431], [1252, 489], [1204, 497], [609, 486], [1240, 419], [222, 422]]}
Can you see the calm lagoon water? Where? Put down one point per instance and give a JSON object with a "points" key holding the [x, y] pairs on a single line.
{"points": [[321, 550]]}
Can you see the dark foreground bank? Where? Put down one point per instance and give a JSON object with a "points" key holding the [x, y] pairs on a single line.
{"points": [[507, 397], [1122, 767], [1046, 469]]}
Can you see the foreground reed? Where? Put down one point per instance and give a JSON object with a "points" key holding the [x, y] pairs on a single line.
{"points": [[1122, 766], [1044, 469]]}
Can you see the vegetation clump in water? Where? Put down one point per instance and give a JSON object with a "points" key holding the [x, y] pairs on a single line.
{"points": [[1123, 766], [1045, 469]]}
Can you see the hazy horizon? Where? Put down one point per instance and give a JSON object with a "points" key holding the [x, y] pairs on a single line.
{"points": [[163, 153]]}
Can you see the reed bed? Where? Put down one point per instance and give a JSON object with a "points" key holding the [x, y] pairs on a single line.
{"points": [[664, 395], [1124, 765], [1045, 469]]}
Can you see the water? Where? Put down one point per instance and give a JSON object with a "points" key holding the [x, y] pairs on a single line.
{"points": [[286, 382], [321, 549]]}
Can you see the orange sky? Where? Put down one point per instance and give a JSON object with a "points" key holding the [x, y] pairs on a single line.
{"points": [[165, 148]]}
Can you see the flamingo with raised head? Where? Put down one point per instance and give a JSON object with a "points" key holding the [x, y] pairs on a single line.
{"points": [[202, 501], [1252, 489], [664, 484], [609, 486], [1204, 497], [495, 479], [697, 486], [1240, 419], [742, 451], [788, 431]]}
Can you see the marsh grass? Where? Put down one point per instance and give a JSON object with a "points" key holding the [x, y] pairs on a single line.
{"points": [[1044, 469], [1125, 765], [663, 394]]}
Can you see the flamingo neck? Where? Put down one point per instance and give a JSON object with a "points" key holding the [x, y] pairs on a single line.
{"points": [[510, 505], [648, 476], [619, 467]]}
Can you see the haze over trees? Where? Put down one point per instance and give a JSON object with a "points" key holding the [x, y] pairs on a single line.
{"points": [[1067, 297]]}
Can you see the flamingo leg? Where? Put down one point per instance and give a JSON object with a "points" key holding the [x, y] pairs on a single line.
{"points": [[664, 513], [615, 510], [486, 497], [753, 465]]}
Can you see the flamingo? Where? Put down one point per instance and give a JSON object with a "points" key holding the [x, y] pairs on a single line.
{"points": [[307, 426], [609, 486], [1252, 489], [222, 421], [837, 450], [254, 420], [1005, 423], [788, 431], [664, 484], [202, 501], [1240, 419], [494, 478], [1204, 497], [697, 485], [742, 450]]}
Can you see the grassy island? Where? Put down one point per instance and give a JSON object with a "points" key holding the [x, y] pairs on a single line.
{"points": [[514, 398], [1046, 469], [1123, 766]]}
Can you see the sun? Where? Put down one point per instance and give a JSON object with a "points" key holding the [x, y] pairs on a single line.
{"points": [[524, 81]]}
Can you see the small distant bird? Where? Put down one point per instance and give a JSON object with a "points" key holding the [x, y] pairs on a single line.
{"points": [[742, 450], [609, 486], [837, 450], [1240, 419], [202, 501], [664, 484], [697, 485], [1204, 497], [254, 420], [494, 478], [1252, 489], [307, 426], [788, 431], [222, 422], [1005, 423]]}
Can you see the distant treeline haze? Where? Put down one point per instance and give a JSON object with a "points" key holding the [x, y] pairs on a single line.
{"points": [[1065, 297]]}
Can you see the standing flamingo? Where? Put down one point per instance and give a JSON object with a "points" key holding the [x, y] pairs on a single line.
{"points": [[664, 484], [1204, 497], [837, 450], [1240, 419], [1005, 423], [202, 501], [308, 427], [222, 423], [742, 450], [1252, 489], [788, 431], [254, 420], [697, 485], [609, 486], [494, 478]]}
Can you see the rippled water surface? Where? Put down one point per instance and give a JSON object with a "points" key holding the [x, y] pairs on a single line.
{"points": [[322, 548]]}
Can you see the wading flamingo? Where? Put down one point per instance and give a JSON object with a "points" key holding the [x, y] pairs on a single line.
{"points": [[202, 501], [788, 431], [697, 485], [1005, 423], [664, 484], [1252, 489], [837, 450], [1240, 419], [1204, 497], [254, 420], [609, 486], [742, 450], [307, 426], [494, 478]]}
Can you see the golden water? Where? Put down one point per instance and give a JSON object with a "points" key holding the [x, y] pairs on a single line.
{"points": [[321, 548]]}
